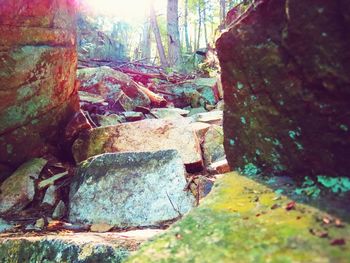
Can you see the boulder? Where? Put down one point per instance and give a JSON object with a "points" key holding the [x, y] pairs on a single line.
{"points": [[18, 190], [145, 135], [285, 72], [5, 226], [113, 85], [38, 63], [213, 145], [129, 189], [228, 226], [73, 247]]}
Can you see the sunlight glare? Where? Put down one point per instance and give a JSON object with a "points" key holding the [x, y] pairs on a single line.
{"points": [[128, 10]]}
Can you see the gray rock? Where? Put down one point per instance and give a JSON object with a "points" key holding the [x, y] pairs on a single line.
{"points": [[169, 113], [213, 145], [142, 136], [50, 197], [60, 210], [5, 226], [130, 189], [18, 190]]}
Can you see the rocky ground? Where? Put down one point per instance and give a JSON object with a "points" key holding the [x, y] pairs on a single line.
{"points": [[136, 162]]}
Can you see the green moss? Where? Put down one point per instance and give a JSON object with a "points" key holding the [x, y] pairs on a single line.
{"points": [[231, 226]]}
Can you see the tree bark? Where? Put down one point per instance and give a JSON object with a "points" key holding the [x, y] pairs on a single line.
{"points": [[174, 46], [187, 38], [157, 36], [146, 42], [205, 24], [222, 13], [199, 25]]}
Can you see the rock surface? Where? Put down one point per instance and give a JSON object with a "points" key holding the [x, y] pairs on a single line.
{"points": [[213, 145], [145, 135], [5, 226], [38, 63], [229, 226], [285, 71], [73, 247], [114, 85], [130, 189], [18, 190]]}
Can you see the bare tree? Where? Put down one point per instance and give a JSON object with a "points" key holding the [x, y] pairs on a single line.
{"points": [[146, 42], [187, 38], [174, 46], [157, 36]]}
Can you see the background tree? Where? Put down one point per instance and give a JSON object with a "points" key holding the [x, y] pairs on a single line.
{"points": [[174, 46]]}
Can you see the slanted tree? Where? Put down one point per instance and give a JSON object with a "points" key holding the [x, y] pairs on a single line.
{"points": [[174, 46], [157, 36]]}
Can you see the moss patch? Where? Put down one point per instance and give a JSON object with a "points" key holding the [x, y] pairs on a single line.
{"points": [[244, 221]]}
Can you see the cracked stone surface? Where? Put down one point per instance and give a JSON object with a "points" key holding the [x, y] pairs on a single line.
{"points": [[130, 189], [285, 72]]}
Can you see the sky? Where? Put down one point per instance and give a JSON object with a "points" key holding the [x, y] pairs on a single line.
{"points": [[127, 10]]}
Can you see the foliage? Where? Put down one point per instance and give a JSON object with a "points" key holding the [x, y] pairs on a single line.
{"points": [[338, 185]]}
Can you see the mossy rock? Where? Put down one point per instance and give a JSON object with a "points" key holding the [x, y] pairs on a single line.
{"points": [[244, 221]]}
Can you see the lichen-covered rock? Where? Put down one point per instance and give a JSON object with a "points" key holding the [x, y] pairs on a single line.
{"points": [[213, 145], [18, 190], [130, 189], [145, 135], [114, 85], [244, 221], [37, 65], [72, 247], [5, 226], [285, 71]]}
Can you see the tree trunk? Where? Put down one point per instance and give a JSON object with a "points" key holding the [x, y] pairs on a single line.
{"points": [[199, 25], [160, 47], [146, 43], [187, 38], [205, 25], [174, 46], [222, 13]]}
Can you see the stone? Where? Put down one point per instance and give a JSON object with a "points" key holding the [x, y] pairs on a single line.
{"points": [[229, 227], [60, 210], [200, 128], [133, 116], [109, 120], [285, 72], [40, 223], [114, 85], [202, 186], [73, 247], [220, 105], [77, 124], [18, 190], [100, 228], [212, 117], [129, 189], [194, 111], [50, 197], [145, 135], [213, 145], [5, 226], [169, 113], [38, 63], [219, 167]]}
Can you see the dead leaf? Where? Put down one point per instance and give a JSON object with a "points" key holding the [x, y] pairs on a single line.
{"points": [[290, 206], [275, 206], [338, 242]]}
